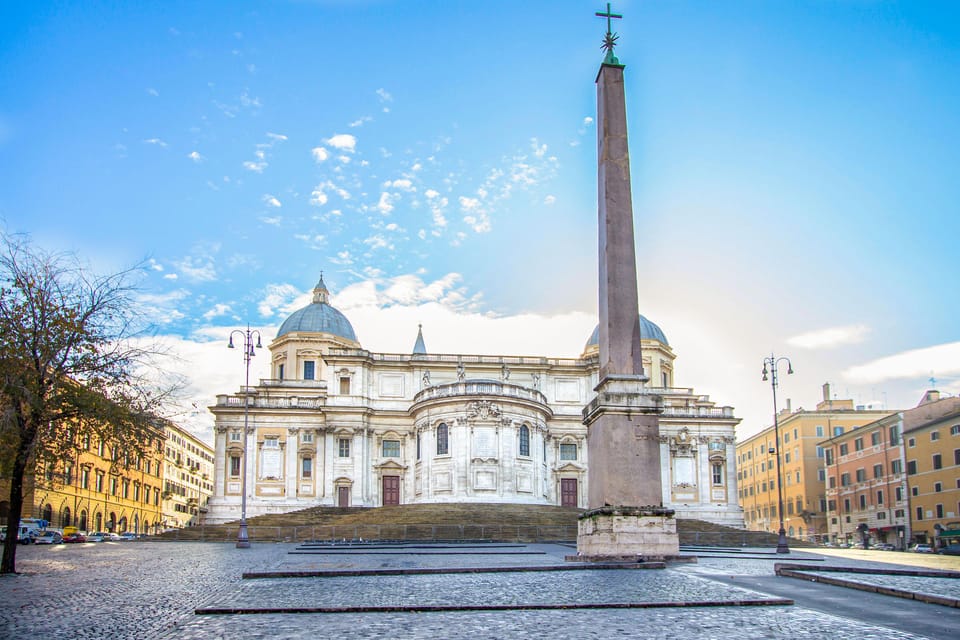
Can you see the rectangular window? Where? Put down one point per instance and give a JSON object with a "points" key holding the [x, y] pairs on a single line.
{"points": [[844, 449], [819, 451], [858, 444], [99, 486], [898, 513], [271, 443], [85, 479], [837, 431], [875, 438], [568, 451], [786, 437], [955, 430], [898, 494], [828, 454], [937, 461], [345, 386], [343, 447], [879, 497], [819, 430], [939, 510], [786, 457], [280, 372], [234, 466], [877, 470], [306, 468], [896, 467], [307, 437], [911, 467], [234, 437], [937, 487], [846, 505], [717, 473], [881, 515], [845, 480], [894, 435], [418, 446], [136, 491], [861, 475], [833, 482], [391, 448], [911, 442], [934, 436], [309, 369], [821, 475]]}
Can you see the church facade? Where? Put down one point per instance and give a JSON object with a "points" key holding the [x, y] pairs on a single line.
{"points": [[336, 424]]}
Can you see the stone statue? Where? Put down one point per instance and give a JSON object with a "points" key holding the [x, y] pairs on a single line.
{"points": [[426, 378], [461, 371]]}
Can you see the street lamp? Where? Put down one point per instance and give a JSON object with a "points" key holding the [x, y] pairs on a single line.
{"points": [[772, 362], [243, 542]]}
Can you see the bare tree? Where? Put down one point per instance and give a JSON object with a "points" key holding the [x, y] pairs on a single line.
{"points": [[71, 364]]}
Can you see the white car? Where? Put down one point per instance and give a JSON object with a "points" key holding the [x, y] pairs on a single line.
{"points": [[48, 537], [110, 536], [96, 536]]}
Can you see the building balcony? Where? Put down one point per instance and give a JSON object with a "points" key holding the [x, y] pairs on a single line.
{"points": [[480, 388]]}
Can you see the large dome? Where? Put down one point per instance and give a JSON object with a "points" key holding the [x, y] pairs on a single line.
{"points": [[318, 317], [648, 331]]}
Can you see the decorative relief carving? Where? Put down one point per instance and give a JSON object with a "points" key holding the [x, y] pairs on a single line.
{"points": [[222, 428], [483, 409], [683, 445], [293, 430]]}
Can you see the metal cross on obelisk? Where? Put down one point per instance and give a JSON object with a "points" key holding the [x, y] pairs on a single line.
{"points": [[610, 40]]}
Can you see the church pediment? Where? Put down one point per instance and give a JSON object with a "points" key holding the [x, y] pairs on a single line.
{"points": [[390, 465], [570, 466]]}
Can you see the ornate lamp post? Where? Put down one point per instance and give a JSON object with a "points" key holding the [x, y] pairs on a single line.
{"points": [[243, 542], [772, 362]]}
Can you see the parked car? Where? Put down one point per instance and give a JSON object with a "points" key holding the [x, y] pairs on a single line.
{"points": [[885, 546], [96, 536], [128, 535], [950, 550], [25, 535], [48, 537], [74, 537], [921, 548], [110, 536]]}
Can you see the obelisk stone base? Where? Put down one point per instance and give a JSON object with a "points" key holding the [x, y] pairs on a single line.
{"points": [[628, 534]]}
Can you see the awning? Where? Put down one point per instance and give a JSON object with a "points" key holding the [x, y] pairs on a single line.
{"points": [[950, 533]]}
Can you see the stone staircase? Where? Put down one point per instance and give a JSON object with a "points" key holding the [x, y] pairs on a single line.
{"points": [[455, 521]]}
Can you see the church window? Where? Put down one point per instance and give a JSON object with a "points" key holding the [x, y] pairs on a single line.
{"points": [[234, 436], [443, 444], [306, 468], [717, 473], [568, 451], [280, 371], [391, 448], [665, 379], [309, 369], [345, 386], [307, 437], [271, 443], [524, 440], [418, 446], [343, 447]]}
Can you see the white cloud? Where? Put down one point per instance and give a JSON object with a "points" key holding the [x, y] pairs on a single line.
{"points": [[941, 359], [162, 308], [271, 201], [377, 242], [384, 96], [279, 137], [170, 276], [317, 197], [402, 184], [154, 265], [278, 297], [342, 141], [320, 154], [359, 122], [156, 141], [153, 92], [469, 204], [256, 167], [217, 310], [587, 121], [385, 205], [272, 220], [539, 150], [430, 193], [830, 337], [344, 159], [548, 200]]}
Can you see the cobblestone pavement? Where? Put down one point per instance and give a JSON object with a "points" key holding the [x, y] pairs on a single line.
{"points": [[949, 587], [149, 590]]}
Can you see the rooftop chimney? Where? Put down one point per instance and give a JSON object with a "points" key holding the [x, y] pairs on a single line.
{"points": [[826, 392]]}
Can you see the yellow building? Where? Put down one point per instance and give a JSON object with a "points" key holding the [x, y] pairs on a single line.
{"points": [[187, 478], [931, 452], [801, 463], [96, 491]]}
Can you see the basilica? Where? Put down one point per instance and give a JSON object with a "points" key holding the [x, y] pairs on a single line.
{"points": [[336, 424]]}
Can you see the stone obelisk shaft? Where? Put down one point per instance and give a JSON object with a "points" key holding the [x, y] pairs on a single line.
{"points": [[623, 435]]}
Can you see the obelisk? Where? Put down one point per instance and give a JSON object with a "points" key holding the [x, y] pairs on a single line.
{"points": [[625, 518]]}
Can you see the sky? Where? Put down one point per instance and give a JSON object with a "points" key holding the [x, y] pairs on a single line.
{"points": [[795, 170]]}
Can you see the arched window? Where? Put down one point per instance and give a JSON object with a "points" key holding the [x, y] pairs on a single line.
{"points": [[524, 440], [98, 522], [82, 525], [123, 524], [65, 517], [443, 443], [47, 513]]}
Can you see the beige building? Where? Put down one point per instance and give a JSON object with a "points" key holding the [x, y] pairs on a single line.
{"points": [[803, 473], [187, 478], [336, 424], [931, 454], [97, 490]]}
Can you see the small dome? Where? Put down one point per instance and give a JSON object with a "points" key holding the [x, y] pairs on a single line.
{"points": [[648, 331], [318, 317]]}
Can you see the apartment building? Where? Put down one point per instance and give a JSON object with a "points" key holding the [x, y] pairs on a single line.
{"points": [[187, 477], [801, 464]]}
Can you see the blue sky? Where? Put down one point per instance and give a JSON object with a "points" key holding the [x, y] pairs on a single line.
{"points": [[795, 174]]}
